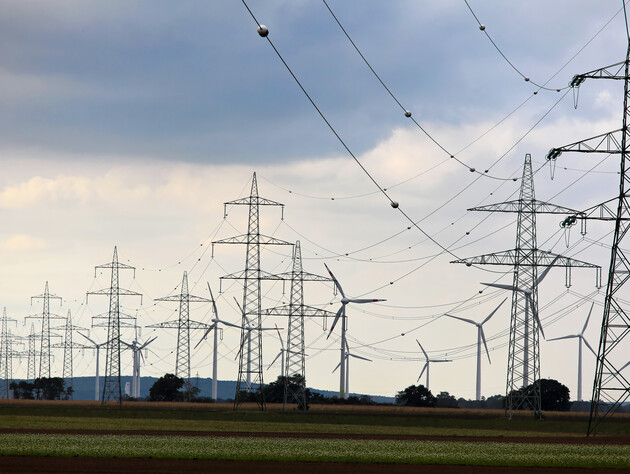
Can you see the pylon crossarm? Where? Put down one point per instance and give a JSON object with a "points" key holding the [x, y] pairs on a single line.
{"points": [[175, 325], [304, 276], [190, 298], [540, 207], [614, 71], [609, 142], [244, 239], [289, 310], [253, 201], [262, 275]]}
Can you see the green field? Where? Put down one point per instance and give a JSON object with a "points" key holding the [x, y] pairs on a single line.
{"points": [[318, 421]]}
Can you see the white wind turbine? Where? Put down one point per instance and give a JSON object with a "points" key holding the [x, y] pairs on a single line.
{"points": [[97, 348], [527, 292], [348, 354], [581, 340], [480, 338], [136, 349], [426, 364], [215, 327], [341, 313], [281, 354]]}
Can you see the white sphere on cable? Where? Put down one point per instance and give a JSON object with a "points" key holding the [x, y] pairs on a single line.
{"points": [[394, 204], [407, 113], [263, 31], [482, 27]]}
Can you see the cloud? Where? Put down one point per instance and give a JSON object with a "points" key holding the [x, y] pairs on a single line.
{"points": [[21, 242]]}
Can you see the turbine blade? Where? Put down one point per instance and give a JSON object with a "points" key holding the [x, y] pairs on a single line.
{"points": [[623, 366], [205, 334], [335, 281], [564, 337], [359, 357], [530, 300], [422, 371], [272, 362], [336, 368], [423, 351], [364, 300], [280, 337], [229, 324], [589, 346], [214, 305], [239, 306], [461, 319], [588, 317], [483, 338], [92, 341], [503, 287], [546, 270], [492, 314], [341, 310]]}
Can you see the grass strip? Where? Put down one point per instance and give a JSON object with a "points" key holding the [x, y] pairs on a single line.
{"points": [[320, 450], [79, 423]]}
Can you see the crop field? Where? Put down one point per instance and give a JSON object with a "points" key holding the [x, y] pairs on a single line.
{"points": [[167, 437]]}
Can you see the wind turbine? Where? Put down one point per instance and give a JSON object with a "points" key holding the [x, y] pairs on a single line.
{"points": [[97, 347], [281, 354], [480, 338], [214, 327], [581, 340], [341, 313], [426, 364], [527, 292], [136, 348], [348, 354]]}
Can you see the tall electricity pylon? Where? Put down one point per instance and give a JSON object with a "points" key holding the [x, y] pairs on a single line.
{"points": [[32, 354], [111, 386], [523, 368], [297, 311], [183, 325], [610, 387], [46, 316], [6, 356], [68, 346], [250, 367]]}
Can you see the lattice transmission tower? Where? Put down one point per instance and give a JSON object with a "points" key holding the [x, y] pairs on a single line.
{"points": [[31, 372], [250, 366], [183, 325], [45, 354], [610, 387], [6, 355], [112, 390], [68, 346], [523, 368], [296, 312]]}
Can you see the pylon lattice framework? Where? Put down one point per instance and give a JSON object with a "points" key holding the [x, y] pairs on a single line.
{"points": [[250, 368], [6, 356], [45, 354], [296, 311], [68, 346], [115, 319], [523, 368], [610, 387], [183, 326]]}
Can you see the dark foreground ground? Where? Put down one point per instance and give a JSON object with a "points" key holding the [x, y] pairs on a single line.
{"points": [[10, 464]]}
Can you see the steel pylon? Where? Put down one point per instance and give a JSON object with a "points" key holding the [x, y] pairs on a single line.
{"points": [[68, 347], [610, 387], [250, 366], [45, 335], [111, 385], [296, 312], [523, 368], [183, 326], [6, 355]]}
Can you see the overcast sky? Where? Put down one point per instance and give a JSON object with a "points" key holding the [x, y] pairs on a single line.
{"points": [[131, 123]]}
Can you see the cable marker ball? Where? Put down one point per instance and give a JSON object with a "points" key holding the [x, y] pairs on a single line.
{"points": [[482, 27], [394, 204], [407, 113], [262, 31], [527, 79]]}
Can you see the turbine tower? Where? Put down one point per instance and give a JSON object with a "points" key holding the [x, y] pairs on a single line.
{"points": [[136, 349], [250, 368], [480, 338], [611, 388], [213, 327], [183, 325], [296, 312], [46, 316], [426, 364], [580, 338], [523, 366], [344, 361], [115, 319]]}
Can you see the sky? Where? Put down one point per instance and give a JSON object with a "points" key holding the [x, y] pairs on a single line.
{"points": [[129, 124]]}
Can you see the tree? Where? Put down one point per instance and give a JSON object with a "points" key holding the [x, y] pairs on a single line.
{"points": [[166, 389], [554, 396], [415, 396], [446, 400], [22, 389]]}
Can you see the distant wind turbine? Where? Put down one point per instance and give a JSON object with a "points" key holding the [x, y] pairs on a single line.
{"points": [[480, 338], [348, 354], [527, 292], [136, 349], [581, 340], [212, 327], [426, 364], [341, 313], [97, 348], [281, 354]]}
